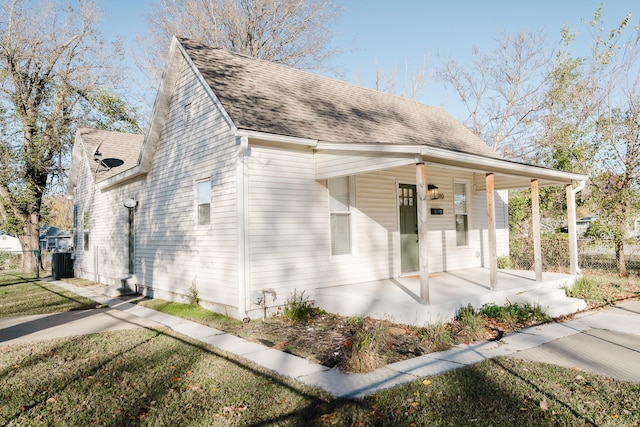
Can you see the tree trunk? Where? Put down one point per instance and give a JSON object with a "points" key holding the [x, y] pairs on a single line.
{"points": [[36, 158], [30, 241], [620, 260]]}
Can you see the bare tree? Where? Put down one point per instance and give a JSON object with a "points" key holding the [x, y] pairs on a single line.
{"points": [[293, 32], [501, 91], [53, 70], [412, 84]]}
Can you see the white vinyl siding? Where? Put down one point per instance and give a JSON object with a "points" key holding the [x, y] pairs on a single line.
{"points": [[171, 253], [289, 242]]}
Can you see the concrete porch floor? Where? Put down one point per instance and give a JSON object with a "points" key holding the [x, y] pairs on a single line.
{"points": [[398, 299]]}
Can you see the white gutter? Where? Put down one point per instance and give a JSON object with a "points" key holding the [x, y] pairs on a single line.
{"points": [[243, 226], [370, 148]]}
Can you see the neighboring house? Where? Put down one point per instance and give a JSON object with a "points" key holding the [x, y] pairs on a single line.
{"points": [[255, 177], [582, 225], [54, 239], [9, 243]]}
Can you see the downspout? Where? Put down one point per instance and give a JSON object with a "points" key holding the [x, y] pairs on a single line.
{"points": [[573, 237], [243, 246]]}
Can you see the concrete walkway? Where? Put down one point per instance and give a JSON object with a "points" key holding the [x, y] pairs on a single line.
{"points": [[605, 342]]}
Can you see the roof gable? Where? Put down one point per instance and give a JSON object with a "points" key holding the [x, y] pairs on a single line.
{"points": [[110, 153], [273, 98]]}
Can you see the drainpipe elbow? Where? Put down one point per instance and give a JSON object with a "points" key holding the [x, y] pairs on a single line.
{"points": [[580, 187]]}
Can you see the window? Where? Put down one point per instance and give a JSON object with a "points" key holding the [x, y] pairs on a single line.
{"points": [[186, 117], [85, 219], [461, 213], [340, 211], [204, 202]]}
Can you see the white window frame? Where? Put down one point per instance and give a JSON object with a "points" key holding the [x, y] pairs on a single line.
{"points": [[198, 203], [467, 185], [349, 213]]}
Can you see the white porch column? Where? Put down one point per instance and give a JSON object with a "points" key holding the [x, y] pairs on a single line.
{"points": [[421, 190], [491, 230], [535, 217], [573, 235]]}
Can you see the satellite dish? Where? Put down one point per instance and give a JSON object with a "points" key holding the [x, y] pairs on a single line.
{"points": [[97, 157], [96, 153], [130, 203]]}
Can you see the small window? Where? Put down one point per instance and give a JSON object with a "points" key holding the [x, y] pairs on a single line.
{"points": [[85, 226], [461, 213], [204, 202], [340, 212], [186, 117]]}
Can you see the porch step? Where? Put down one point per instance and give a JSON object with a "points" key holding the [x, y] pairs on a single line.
{"points": [[553, 300], [117, 291], [541, 296]]}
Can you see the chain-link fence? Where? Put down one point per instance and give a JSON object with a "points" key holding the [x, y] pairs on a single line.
{"points": [[12, 260], [592, 255]]}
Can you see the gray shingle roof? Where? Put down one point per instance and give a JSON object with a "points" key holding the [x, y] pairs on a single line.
{"points": [[273, 98], [120, 151]]}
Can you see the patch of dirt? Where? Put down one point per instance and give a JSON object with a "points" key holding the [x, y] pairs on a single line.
{"points": [[331, 340]]}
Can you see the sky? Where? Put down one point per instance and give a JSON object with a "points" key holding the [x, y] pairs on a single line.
{"points": [[403, 34]]}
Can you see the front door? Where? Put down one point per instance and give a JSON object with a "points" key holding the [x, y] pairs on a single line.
{"points": [[408, 228]]}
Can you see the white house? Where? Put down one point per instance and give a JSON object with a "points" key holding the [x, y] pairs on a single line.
{"points": [[9, 243], [259, 179]]}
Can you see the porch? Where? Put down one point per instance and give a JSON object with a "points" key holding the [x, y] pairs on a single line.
{"points": [[398, 299]]}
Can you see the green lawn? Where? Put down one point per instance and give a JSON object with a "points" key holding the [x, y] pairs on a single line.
{"points": [[154, 377], [23, 294], [157, 377]]}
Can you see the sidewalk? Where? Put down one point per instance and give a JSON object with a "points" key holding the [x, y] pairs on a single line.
{"points": [[605, 342]]}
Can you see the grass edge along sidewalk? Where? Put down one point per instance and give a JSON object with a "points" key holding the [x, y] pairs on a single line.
{"points": [[497, 392]]}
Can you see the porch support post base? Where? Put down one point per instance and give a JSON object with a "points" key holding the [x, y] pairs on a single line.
{"points": [[491, 231], [421, 190]]}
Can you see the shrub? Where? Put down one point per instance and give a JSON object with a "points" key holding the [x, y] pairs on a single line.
{"points": [[439, 336], [471, 321], [511, 314], [588, 289], [192, 293], [504, 262], [297, 307], [367, 342]]}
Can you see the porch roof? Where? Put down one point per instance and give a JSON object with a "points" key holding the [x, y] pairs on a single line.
{"points": [[509, 174]]}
